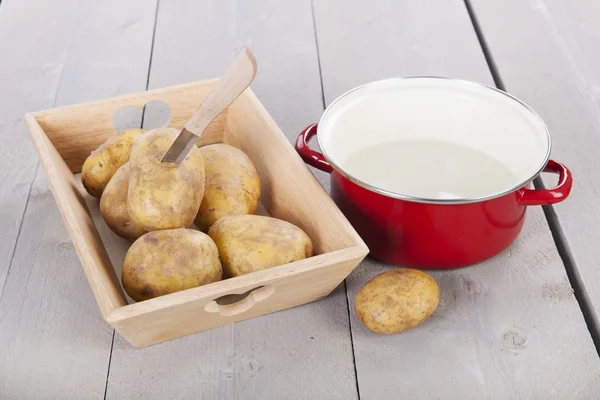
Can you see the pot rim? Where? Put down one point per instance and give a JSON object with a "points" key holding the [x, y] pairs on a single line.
{"points": [[462, 200]]}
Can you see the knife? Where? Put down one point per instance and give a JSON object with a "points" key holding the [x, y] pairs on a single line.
{"points": [[234, 81]]}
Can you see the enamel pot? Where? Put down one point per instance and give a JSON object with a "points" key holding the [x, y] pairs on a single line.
{"points": [[434, 173]]}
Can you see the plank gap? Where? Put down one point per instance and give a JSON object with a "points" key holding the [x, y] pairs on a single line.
{"points": [[150, 59], [112, 344], [12, 256], [484, 47], [312, 12], [351, 338]]}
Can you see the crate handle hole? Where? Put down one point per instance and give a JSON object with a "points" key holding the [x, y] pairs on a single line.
{"points": [[154, 114], [234, 304]]}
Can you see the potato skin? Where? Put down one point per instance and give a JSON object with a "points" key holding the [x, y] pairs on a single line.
{"points": [[101, 165], [163, 195], [163, 262], [232, 184], [397, 300], [113, 206], [250, 243]]}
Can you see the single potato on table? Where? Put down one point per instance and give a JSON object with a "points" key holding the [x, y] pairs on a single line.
{"points": [[232, 184], [250, 243], [163, 195], [100, 166], [397, 300], [167, 261], [113, 206]]}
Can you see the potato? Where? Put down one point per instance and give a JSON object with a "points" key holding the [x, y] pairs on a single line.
{"points": [[163, 262], [397, 300], [232, 184], [249, 243], [113, 206], [163, 195], [101, 165]]}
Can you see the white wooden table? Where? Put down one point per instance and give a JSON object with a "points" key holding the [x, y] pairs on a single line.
{"points": [[520, 326]]}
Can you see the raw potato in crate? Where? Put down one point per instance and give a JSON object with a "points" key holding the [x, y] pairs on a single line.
{"points": [[113, 206], [250, 243], [163, 195], [246, 126], [100, 166], [232, 184], [397, 300], [167, 261]]}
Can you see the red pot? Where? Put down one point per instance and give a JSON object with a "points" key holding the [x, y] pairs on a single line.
{"points": [[433, 173]]}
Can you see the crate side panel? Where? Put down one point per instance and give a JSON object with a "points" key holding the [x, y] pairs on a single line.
{"points": [[191, 317], [79, 223]]}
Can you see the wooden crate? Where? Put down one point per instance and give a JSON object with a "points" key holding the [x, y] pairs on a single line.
{"points": [[64, 137]]}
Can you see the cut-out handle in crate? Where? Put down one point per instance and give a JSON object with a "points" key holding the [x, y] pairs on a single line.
{"points": [[234, 304]]}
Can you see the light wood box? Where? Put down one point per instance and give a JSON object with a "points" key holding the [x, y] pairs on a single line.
{"points": [[64, 137]]}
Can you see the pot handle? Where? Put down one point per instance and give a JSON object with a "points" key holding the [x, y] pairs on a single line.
{"points": [[311, 157], [531, 197]]}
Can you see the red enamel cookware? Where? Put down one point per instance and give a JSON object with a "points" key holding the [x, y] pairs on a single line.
{"points": [[434, 173]]}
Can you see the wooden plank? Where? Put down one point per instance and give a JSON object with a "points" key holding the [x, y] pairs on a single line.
{"points": [[27, 81], [94, 259], [53, 341], [548, 57], [300, 353], [504, 329]]}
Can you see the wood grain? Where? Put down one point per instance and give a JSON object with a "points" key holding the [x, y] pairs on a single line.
{"points": [[504, 329], [53, 341], [299, 353], [549, 58]]}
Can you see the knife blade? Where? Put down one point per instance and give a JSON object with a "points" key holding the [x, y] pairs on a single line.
{"points": [[234, 81]]}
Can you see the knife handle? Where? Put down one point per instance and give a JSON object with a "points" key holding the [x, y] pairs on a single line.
{"points": [[234, 81]]}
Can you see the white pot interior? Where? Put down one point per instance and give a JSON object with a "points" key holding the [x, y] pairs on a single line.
{"points": [[434, 139]]}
